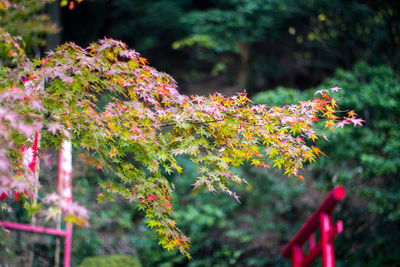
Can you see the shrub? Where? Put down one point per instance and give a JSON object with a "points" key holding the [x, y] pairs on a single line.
{"points": [[111, 261]]}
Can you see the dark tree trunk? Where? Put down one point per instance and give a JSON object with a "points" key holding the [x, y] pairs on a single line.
{"points": [[54, 11]]}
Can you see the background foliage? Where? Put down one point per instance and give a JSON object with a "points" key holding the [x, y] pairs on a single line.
{"points": [[366, 161], [252, 44], [227, 45]]}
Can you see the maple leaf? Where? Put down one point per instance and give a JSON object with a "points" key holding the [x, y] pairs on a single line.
{"points": [[74, 208], [143, 60], [98, 166], [356, 121], [333, 103], [54, 127], [321, 92], [351, 113], [326, 96], [317, 151], [167, 206], [152, 223], [113, 152], [265, 165], [28, 130], [329, 124], [4, 163], [51, 198], [3, 195], [342, 123], [44, 61], [151, 198], [300, 139], [324, 136]]}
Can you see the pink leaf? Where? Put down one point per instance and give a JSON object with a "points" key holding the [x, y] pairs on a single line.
{"points": [[324, 136], [54, 127], [357, 121], [321, 92], [151, 198]]}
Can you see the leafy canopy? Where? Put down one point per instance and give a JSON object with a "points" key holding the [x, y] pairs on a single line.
{"points": [[145, 124]]}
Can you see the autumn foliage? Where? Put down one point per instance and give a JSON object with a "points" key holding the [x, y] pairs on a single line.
{"points": [[145, 124]]}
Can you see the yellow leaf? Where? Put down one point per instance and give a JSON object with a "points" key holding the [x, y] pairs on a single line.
{"points": [[351, 113], [333, 103], [329, 124], [113, 152], [317, 151], [110, 125]]}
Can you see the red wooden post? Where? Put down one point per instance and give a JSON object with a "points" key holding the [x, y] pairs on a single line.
{"points": [[322, 217], [67, 246], [65, 189], [311, 242], [297, 256], [328, 259]]}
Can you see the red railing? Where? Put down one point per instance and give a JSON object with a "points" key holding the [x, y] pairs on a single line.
{"points": [[33, 228], [65, 190], [322, 217], [67, 234]]}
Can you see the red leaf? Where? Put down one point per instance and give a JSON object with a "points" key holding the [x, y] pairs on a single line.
{"points": [[2, 196], [151, 198], [326, 96]]}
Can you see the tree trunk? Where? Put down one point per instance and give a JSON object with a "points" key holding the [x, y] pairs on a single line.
{"points": [[54, 11], [244, 67]]}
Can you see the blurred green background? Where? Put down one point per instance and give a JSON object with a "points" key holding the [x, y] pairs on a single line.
{"points": [[280, 51]]}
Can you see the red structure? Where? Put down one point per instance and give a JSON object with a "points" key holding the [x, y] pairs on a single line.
{"points": [[322, 217], [67, 234], [64, 188]]}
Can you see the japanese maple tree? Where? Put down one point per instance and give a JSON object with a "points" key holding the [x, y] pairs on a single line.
{"points": [[137, 135]]}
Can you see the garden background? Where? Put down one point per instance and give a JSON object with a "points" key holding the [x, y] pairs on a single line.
{"points": [[280, 52]]}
